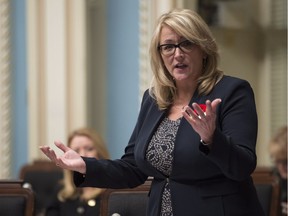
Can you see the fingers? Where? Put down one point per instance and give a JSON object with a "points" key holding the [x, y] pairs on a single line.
{"points": [[189, 114], [61, 146], [215, 103], [48, 152], [200, 112], [212, 106]]}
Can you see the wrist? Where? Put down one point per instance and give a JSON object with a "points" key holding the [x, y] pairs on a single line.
{"points": [[82, 167], [204, 143]]}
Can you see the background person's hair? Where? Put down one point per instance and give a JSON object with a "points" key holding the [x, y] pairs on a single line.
{"points": [[191, 26], [278, 145]]}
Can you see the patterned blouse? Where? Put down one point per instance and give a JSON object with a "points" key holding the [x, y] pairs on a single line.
{"points": [[160, 154]]}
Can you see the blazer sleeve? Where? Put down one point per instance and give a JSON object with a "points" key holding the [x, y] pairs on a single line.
{"points": [[234, 142], [120, 173]]}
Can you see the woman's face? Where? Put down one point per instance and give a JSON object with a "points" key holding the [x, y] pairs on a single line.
{"points": [[84, 146], [183, 66]]}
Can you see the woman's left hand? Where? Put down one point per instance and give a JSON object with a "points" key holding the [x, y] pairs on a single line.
{"points": [[204, 123]]}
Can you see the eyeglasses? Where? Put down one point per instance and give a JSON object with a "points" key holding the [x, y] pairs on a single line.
{"points": [[169, 49]]}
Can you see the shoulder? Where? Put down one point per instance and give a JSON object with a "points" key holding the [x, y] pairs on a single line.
{"points": [[232, 81], [147, 94], [229, 84], [148, 98], [232, 88], [149, 105]]}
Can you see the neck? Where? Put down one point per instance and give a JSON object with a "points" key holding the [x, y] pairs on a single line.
{"points": [[185, 87], [183, 96]]}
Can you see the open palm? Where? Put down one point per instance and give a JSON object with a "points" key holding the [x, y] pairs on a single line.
{"points": [[70, 160]]}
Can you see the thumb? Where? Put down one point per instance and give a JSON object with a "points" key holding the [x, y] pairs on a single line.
{"points": [[61, 146]]}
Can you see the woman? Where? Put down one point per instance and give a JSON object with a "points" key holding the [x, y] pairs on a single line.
{"points": [[278, 153], [195, 134], [79, 201]]}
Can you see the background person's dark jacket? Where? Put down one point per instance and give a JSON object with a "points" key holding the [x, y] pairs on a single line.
{"points": [[72, 207]]}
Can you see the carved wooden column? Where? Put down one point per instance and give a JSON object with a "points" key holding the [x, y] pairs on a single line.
{"points": [[5, 90]]}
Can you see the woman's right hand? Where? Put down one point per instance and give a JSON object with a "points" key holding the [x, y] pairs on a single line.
{"points": [[70, 160]]}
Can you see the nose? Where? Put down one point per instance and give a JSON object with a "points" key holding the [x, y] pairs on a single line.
{"points": [[178, 52], [82, 152]]}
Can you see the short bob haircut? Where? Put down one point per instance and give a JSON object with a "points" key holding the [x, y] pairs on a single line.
{"points": [[191, 26]]}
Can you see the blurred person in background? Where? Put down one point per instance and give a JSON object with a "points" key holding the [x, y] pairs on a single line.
{"points": [[70, 200], [278, 153]]}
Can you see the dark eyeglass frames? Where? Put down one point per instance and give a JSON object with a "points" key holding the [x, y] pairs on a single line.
{"points": [[169, 49]]}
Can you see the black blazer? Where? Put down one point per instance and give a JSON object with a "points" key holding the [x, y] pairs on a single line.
{"points": [[202, 182]]}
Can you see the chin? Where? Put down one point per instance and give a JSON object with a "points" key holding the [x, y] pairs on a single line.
{"points": [[182, 78]]}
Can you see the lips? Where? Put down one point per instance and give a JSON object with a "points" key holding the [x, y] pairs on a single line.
{"points": [[180, 66]]}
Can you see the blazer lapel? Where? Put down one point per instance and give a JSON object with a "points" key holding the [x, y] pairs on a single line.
{"points": [[153, 118]]}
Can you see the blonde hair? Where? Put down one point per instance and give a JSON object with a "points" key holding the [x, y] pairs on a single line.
{"points": [[69, 190], [190, 25], [278, 144]]}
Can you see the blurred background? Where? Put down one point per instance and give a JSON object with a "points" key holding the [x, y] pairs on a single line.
{"points": [[65, 64]]}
